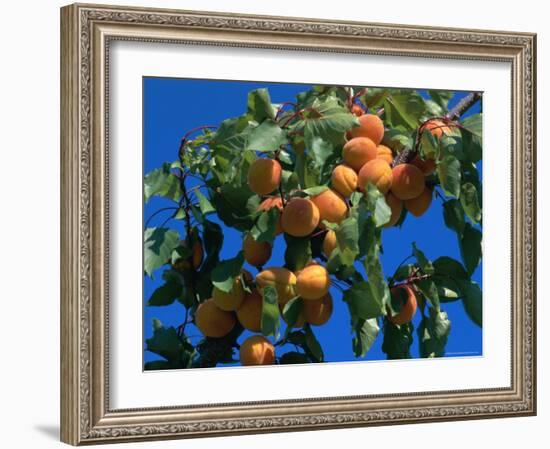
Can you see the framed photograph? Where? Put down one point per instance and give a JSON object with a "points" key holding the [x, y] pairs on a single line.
{"points": [[282, 224]]}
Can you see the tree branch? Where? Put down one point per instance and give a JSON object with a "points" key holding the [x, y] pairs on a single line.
{"points": [[408, 154]]}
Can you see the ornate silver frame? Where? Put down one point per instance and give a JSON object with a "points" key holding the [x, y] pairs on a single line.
{"points": [[86, 32]]}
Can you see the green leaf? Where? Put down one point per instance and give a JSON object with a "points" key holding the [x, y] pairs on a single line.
{"points": [[225, 273], [404, 109], [441, 97], [473, 124], [259, 105], [366, 332], [321, 150], [270, 312], [472, 301], [166, 294], [470, 202], [165, 342], [453, 214], [373, 266], [291, 313], [293, 357], [298, 252], [157, 248], [314, 191], [470, 248], [213, 242], [425, 264], [329, 121], [157, 365], [397, 340], [204, 204], [397, 138], [433, 333], [448, 171], [363, 304], [429, 290], [429, 146], [447, 266], [231, 203], [163, 183], [447, 288], [377, 205], [266, 225], [312, 344], [267, 137]]}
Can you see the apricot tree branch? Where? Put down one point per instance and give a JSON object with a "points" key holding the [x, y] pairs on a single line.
{"points": [[408, 154]]}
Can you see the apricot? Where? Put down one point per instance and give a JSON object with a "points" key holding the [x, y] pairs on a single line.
{"points": [[408, 181], [438, 128], [426, 166], [257, 350], [318, 311], [371, 126], [194, 260], [358, 151], [344, 180], [231, 300], [282, 279], [332, 206], [357, 110], [417, 206], [213, 321], [313, 282], [267, 204], [300, 217], [249, 313], [408, 308], [256, 253], [264, 176], [384, 152], [377, 172], [396, 206], [329, 243]]}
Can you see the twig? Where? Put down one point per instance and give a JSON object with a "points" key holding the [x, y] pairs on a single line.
{"points": [[408, 154]]}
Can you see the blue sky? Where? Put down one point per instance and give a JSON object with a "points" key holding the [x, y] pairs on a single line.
{"points": [[171, 107]]}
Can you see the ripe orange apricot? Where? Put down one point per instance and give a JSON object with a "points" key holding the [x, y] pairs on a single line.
{"points": [[256, 253], [344, 180], [357, 110], [282, 279], [257, 350], [318, 311], [312, 282], [331, 205], [396, 206], [358, 151], [426, 166], [384, 152], [417, 206], [371, 126], [249, 313], [264, 176], [229, 301], [409, 304], [213, 321], [437, 128], [270, 202], [329, 242], [408, 181], [377, 172], [300, 217]]}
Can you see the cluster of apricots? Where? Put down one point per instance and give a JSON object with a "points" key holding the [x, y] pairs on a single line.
{"points": [[217, 316], [364, 160]]}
